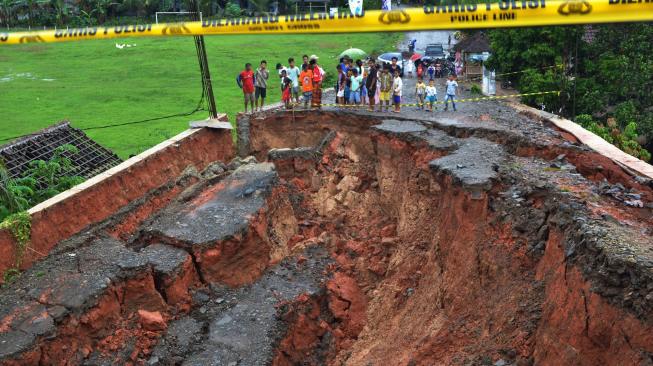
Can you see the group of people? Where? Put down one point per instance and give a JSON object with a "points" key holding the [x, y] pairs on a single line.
{"points": [[358, 83], [371, 84], [306, 79]]}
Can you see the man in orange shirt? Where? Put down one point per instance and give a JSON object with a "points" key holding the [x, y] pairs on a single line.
{"points": [[317, 82], [306, 78]]}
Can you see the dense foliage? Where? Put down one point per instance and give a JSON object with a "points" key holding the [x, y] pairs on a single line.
{"points": [[43, 180], [39, 13], [603, 71]]}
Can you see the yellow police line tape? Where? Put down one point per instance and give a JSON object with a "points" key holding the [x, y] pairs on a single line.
{"points": [[505, 13], [479, 99]]}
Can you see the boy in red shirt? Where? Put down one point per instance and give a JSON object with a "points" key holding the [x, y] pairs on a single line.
{"points": [[286, 89], [246, 82]]}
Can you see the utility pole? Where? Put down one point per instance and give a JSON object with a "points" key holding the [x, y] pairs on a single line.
{"points": [[204, 64]]}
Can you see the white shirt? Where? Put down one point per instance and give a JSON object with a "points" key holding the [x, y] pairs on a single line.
{"points": [[293, 74], [431, 91], [397, 86], [452, 85], [283, 68]]}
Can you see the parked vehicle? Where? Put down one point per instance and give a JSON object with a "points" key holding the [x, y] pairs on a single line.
{"points": [[386, 58], [433, 52]]}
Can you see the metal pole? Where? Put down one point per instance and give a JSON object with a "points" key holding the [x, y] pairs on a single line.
{"points": [[200, 46]]}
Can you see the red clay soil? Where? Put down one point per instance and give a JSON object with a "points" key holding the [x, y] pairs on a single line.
{"points": [[578, 323], [96, 203], [592, 166], [304, 332], [127, 226], [177, 288], [242, 259], [429, 275], [107, 327], [427, 265]]}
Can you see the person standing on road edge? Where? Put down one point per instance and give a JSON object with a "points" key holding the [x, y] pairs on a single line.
{"points": [[317, 82], [431, 94], [385, 88], [304, 61], [370, 83], [356, 84], [286, 89], [348, 75], [340, 86], [306, 78], [420, 91], [246, 82], [261, 82], [452, 88], [397, 88], [395, 67], [293, 74]]}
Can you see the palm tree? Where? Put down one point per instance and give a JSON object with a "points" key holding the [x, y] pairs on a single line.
{"points": [[260, 6], [7, 12], [32, 8], [60, 11]]}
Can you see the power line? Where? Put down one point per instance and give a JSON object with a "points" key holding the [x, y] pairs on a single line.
{"points": [[199, 107]]}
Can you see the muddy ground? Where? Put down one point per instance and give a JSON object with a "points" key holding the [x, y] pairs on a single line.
{"points": [[477, 237]]}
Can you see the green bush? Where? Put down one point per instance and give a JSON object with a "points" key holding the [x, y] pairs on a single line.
{"points": [[372, 4], [584, 120], [476, 90], [232, 10], [43, 180], [625, 140], [625, 113]]}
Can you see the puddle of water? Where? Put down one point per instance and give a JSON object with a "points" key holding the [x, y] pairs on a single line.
{"points": [[22, 75]]}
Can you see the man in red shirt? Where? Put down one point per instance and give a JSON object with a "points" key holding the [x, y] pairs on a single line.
{"points": [[246, 82]]}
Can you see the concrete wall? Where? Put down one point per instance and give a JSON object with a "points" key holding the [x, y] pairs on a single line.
{"points": [[98, 198]]}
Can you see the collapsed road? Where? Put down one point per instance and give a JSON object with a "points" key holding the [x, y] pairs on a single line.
{"points": [[486, 237]]}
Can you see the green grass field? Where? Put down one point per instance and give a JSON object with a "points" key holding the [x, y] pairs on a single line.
{"points": [[93, 83]]}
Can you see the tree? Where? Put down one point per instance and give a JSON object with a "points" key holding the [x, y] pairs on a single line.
{"points": [[539, 52], [608, 74], [7, 12], [61, 12]]}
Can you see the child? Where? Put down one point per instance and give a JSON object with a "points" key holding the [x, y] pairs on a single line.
{"points": [[356, 84], [431, 71], [350, 73], [306, 78], [340, 86], [397, 87], [410, 67], [438, 69], [420, 90], [363, 77], [293, 73], [431, 94], [385, 87], [420, 70], [452, 87], [246, 82], [286, 94]]}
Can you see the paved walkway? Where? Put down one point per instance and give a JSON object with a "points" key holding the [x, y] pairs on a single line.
{"points": [[594, 142]]}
